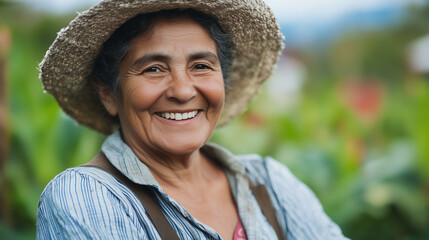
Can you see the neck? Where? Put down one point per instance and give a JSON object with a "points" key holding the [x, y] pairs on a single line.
{"points": [[175, 170]]}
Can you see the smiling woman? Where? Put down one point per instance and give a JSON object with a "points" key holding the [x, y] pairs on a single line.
{"points": [[163, 74], [159, 79]]}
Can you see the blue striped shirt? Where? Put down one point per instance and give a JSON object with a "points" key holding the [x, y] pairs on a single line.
{"points": [[88, 203]]}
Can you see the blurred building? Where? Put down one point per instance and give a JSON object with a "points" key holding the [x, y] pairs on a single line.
{"points": [[284, 87], [418, 56]]}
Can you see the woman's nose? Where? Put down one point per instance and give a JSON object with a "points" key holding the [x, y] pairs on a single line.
{"points": [[181, 88]]}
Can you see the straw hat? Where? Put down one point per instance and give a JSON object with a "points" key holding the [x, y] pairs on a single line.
{"points": [[67, 66]]}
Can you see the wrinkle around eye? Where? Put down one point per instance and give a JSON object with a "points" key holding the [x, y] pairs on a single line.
{"points": [[201, 66], [154, 75], [204, 69], [154, 72], [152, 69]]}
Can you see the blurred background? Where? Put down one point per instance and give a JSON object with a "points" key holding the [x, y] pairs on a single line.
{"points": [[347, 111]]}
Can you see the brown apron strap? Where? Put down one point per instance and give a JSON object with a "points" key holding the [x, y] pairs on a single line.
{"points": [[144, 194], [261, 194]]}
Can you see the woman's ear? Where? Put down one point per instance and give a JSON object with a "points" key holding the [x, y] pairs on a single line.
{"points": [[106, 96]]}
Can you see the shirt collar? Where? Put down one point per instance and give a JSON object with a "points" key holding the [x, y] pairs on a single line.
{"points": [[124, 159]]}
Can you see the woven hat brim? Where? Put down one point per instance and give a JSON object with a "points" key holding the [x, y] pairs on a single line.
{"points": [[67, 66]]}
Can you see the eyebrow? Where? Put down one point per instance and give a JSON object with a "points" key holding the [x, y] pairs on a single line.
{"points": [[150, 58], [143, 60], [207, 55]]}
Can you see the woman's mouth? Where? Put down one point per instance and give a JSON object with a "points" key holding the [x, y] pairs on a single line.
{"points": [[178, 116]]}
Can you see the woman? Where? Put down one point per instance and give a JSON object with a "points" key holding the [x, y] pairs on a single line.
{"points": [[159, 76]]}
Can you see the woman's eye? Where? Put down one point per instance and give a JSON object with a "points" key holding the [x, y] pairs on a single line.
{"points": [[152, 69], [201, 66]]}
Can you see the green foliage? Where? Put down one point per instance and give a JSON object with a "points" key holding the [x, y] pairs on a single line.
{"points": [[44, 141]]}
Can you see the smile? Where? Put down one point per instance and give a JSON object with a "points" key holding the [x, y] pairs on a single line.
{"points": [[178, 116]]}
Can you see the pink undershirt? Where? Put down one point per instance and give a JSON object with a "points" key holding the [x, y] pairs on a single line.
{"points": [[239, 233]]}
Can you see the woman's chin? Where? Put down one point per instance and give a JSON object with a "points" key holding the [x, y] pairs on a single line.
{"points": [[180, 141], [182, 146]]}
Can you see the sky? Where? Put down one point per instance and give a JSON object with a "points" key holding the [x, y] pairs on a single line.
{"points": [[287, 11], [304, 22]]}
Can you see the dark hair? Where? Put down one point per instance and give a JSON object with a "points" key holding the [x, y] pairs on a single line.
{"points": [[106, 66]]}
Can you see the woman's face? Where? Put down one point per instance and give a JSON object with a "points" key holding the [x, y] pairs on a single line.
{"points": [[171, 89]]}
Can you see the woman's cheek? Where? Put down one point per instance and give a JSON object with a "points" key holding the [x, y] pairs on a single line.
{"points": [[213, 90], [143, 94]]}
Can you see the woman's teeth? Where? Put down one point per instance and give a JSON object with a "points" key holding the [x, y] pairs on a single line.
{"points": [[179, 116]]}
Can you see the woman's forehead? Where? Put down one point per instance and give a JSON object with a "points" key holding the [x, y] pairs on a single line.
{"points": [[167, 36], [163, 27]]}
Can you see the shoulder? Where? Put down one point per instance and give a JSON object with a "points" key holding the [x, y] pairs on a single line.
{"points": [[292, 199], [86, 187], [78, 180], [278, 179], [76, 190], [267, 170], [89, 203]]}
